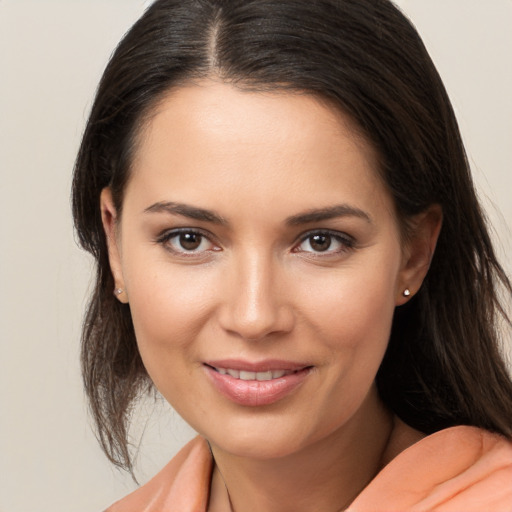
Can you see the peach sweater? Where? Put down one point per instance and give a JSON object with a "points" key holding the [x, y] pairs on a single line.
{"points": [[460, 469]]}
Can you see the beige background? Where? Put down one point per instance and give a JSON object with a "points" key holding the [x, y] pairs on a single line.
{"points": [[52, 53]]}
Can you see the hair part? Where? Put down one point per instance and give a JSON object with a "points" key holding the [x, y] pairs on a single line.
{"points": [[443, 365]]}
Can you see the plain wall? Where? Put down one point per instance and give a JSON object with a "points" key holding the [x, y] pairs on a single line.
{"points": [[52, 53]]}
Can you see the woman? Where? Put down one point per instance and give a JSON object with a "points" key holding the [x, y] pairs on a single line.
{"points": [[291, 251]]}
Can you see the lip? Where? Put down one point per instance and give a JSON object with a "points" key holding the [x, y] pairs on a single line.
{"points": [[258, 366], [255, 393]]}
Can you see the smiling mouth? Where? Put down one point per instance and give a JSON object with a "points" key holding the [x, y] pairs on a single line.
{"points": [[256, 384], [259, 376]]}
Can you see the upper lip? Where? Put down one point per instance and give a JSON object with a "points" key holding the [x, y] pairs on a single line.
{"points": [[257, 366]]}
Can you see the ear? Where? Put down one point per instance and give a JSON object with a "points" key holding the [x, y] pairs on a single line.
{"points": [[418, 251], [109, 220]]}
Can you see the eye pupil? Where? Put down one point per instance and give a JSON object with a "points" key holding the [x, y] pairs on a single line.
{"points": [[190, 241], [320, 243]]}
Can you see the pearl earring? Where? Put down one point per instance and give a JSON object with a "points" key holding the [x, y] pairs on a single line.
{"points": [[406, 292], [118, 291]]}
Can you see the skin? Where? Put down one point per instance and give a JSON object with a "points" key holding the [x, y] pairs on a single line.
{"points": [[257, 287]]}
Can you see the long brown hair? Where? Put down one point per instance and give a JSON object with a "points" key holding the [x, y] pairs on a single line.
{"points": [[443, 366]]}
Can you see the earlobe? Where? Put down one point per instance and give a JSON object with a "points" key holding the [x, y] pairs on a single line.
{"points": [[418, 252], [109, 220]]}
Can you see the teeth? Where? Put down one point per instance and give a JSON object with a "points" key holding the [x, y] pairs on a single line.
{"points": [[245, 375], [264, 375]]}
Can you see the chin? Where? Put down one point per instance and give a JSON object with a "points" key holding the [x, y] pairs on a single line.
{"points": [[258, 447], [263, 437]]}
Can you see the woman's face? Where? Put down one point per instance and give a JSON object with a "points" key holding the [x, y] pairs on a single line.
{"points": [[261, 258]]}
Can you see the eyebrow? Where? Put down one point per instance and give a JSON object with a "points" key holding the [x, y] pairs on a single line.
{"points": [[317, 215], [308, 217], [185, 210]]}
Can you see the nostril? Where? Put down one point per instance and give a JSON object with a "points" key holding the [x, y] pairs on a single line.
{"points": [[254, 306], [256, 322]]}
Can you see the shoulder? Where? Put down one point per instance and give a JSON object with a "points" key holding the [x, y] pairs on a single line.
{"points": [[183, 484], [460, 468]]}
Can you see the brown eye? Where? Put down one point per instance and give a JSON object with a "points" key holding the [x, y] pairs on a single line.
{"points": [[186, 242], [327, 242], [190, 241], [320, 243]]}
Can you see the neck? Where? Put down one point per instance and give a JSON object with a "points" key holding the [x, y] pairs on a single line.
{"points": [[324, 476]]}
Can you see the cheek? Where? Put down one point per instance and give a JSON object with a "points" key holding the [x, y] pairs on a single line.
{"points": [[353, 307], [169, 307], [351, 316]]}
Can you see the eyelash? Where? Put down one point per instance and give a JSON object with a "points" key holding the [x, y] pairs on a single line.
{"points": [[165, 238], [346, 242]]}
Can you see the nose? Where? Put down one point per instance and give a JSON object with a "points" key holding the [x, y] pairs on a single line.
{"points": [[255, 305]]}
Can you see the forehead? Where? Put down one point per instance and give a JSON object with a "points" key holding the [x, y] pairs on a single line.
{"points": [[206, 141], [216, 108]]}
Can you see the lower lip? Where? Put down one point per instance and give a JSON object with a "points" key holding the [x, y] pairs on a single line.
{"points": [[254, 392]]}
